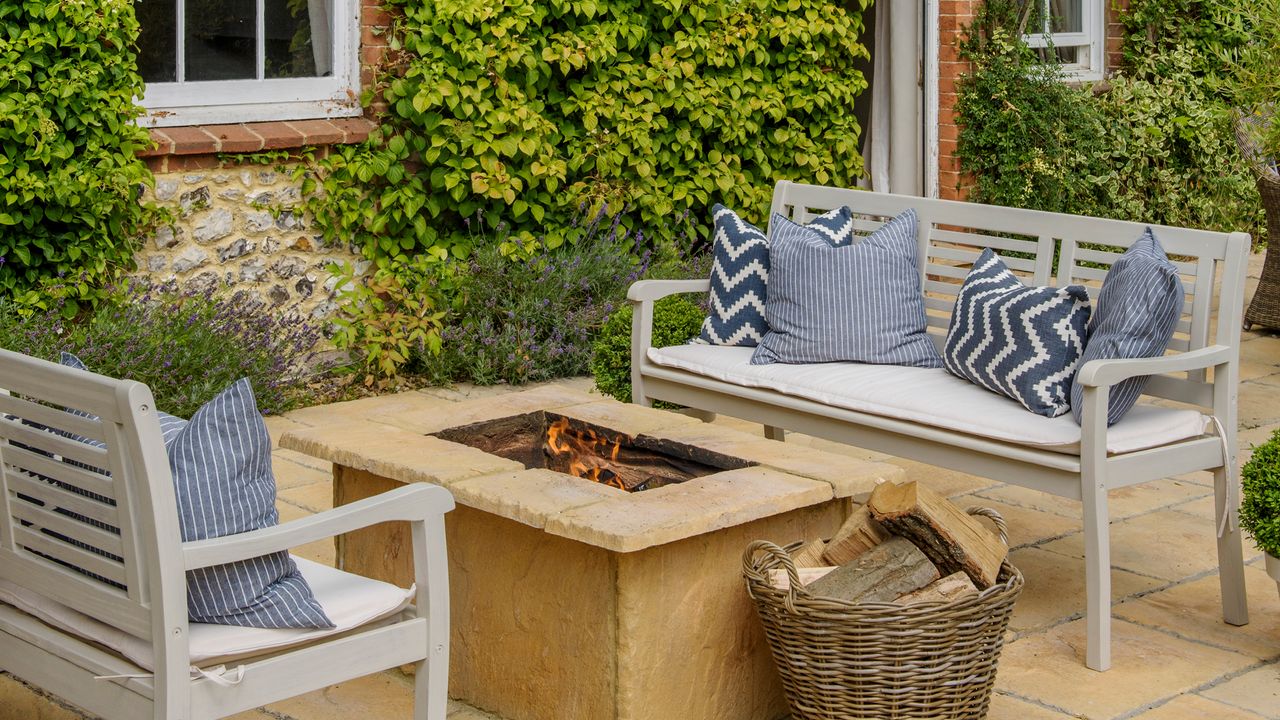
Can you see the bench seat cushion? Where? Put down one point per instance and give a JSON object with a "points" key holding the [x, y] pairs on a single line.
{"points": [[929, 396], [348, 600]]}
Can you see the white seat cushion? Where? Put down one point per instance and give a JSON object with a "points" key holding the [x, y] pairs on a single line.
{"points": [[930, 396], [349, 600]]}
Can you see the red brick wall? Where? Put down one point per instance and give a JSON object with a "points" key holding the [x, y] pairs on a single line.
{"points": [[953, 17]]}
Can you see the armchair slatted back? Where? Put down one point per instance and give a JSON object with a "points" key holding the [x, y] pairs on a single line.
{"points": [[1048, 249], [86, 502]]}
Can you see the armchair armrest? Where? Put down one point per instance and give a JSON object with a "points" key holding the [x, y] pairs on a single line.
{"points": [[1105, 373], [412, 503], [655, 289]]}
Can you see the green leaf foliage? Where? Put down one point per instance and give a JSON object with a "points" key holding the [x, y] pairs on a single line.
{"points": [[675, 321], [1260, 504], [528, 110], [1153, 144], [70, 179]]}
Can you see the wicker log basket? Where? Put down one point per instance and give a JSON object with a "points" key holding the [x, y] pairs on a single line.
{"points": [[839, 660], [1264, 309]]}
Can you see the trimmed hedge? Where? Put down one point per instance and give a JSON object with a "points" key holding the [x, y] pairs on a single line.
{"points": [[525, 110], [676, 320]]}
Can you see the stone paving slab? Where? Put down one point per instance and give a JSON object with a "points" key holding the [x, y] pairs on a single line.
{"points": [[1194, 610], [1147, 666]]}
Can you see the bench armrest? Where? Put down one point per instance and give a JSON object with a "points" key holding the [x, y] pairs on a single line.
{"points": [[1105, 373], [414, 503], [655, 289]]}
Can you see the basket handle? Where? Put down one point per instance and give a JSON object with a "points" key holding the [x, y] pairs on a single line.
{"points": [[1001, 525], [782, 557]]}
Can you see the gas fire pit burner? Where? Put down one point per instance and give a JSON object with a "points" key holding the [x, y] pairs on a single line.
{"points": [[547, 440]]}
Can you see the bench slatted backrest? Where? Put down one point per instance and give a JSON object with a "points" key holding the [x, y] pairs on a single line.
{"points": [[77, 512], [1048, 249]]}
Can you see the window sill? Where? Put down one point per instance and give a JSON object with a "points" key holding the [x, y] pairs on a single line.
{"points": [[255, 137]]}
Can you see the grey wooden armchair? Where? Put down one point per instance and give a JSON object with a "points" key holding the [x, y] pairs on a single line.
{"points": [[61, 557]]}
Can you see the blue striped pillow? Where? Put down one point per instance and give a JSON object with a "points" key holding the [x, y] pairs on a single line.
{"points": [[1138, 309], [1022, 342], [221, 465], [858, 302]]}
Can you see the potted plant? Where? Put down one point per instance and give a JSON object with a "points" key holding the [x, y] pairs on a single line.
{"points": [[1260, 506]]}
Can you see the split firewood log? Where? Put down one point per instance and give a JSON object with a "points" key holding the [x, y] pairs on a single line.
{"points": [[857, 535], [883, 573], [951, 587], [779, 578], [809, 555], [952, 539]]}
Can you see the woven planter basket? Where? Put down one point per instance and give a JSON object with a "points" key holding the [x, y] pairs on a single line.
{"points": [[841, 661], [1264, 309]]}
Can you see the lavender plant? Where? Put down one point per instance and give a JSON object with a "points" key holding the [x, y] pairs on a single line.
{"points": [[527, 312], [186, 346]]}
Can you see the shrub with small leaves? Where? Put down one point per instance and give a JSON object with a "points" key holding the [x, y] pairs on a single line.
{"points": [[676, 320], [186, 346], [70, 178], [1260, 505], [523, 109], [387, 319]]}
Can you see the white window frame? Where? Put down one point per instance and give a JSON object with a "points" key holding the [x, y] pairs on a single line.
{"points": [[1093, 38], [212, 102]]}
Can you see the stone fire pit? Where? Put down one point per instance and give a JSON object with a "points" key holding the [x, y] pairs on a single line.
{"points": [[577, 599]]}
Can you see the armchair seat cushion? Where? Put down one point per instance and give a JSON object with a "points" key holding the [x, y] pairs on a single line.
{"points": [[350, 601], [929, 396]]}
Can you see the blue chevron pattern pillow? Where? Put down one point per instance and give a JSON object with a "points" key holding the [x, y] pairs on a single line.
{"points": [[1022, 342], [1138, 309], [739, 281], [835, 225], [740, 274]]}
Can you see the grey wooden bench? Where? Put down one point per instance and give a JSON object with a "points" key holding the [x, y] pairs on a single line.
{"points": [[1200, 371]]}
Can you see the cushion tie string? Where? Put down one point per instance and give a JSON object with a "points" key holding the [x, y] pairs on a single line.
{"points": [[218, 676], [1231, 490]]}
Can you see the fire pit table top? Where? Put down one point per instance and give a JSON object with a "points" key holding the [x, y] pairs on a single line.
{"points": [[398, 445]]}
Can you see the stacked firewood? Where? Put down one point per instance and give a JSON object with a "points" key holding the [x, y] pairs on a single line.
{"points": [[907, 544]]}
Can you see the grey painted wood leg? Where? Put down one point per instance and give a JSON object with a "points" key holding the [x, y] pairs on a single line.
{"points": [[1235, 605], [775, 433], [1097, 575]]}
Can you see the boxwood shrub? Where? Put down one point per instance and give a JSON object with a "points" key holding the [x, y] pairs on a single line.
{"points": [[675, 321], [1260, 485]]}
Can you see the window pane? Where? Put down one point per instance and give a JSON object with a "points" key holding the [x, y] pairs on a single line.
{"points": [[158, 40], [1067, 15], [220, 39], [299, 39]]}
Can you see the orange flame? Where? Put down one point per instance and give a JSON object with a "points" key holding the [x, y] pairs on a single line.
{"points": [[587, 451]]}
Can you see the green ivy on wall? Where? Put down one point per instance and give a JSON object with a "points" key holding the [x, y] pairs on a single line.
{"points": [[70, 180], [1152, 144], [524, 111]]}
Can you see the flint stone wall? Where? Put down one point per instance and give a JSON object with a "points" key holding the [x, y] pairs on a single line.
{"points": [[238, 229]]}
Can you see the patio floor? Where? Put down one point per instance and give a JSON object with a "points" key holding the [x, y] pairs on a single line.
{"points": [[1173, 656]]}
